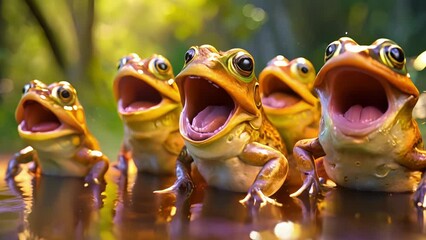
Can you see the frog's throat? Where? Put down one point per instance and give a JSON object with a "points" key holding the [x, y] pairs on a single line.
{"points": [[209, 111], [360, 102], [296, 97]]}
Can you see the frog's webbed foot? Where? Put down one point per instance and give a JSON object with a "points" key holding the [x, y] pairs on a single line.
{"points": [[97, 172], [256, 197], [420, 195], [183, 185], [314, 185]]}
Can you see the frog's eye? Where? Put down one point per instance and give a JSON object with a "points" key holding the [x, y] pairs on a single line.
{"points": [[243, 64], [161, 66], [26, 88], [122, 62], [331, 50], [190, 54], [394, 55], [303, 69], [65, 94]]}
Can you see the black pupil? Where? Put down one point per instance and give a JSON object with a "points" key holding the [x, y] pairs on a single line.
{"points": [[64, 93], [304, 69], [162, 65], [245, 64], [397, 54], [330, 49], [189, 55], [26, 88]]}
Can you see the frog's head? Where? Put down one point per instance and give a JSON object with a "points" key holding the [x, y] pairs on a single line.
{"points": [[286, 86], [219, 91], [145, 88], [365, 88], [49, 111]]}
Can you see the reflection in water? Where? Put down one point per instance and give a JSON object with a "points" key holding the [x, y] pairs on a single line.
{"points": [[62, 208], [139, 213]]}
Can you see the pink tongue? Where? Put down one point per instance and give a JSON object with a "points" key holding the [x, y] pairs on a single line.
{"points": [[358, 114], [280, 100], [136, 106], [210, 119], [45, 127]]}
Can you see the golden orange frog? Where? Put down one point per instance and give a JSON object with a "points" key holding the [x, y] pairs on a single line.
{"points": [[286, 89], [227, 135], [52, 121], [149, 105], [368, 139]]}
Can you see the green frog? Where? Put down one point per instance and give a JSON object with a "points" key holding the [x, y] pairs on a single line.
{"points": [[286, 89], [149, 105], [52, 121], [368, 139], [226, 132]]}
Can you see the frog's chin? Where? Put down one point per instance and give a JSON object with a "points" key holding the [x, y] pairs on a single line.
{"points": [[359, 103], [207, 111]]}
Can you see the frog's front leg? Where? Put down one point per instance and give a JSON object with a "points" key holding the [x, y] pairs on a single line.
{"points": [[305, 152], [97, 160], [26, 155], [183, 181], [271, 176], [416, 160]]}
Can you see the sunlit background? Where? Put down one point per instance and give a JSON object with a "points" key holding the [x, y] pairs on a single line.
{"points": [[81, 41]]}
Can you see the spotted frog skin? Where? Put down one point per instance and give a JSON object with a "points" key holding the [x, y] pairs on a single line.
{"points": [[286, 89], [149, 106], [52, 121], [227, 135], [368, 139]]}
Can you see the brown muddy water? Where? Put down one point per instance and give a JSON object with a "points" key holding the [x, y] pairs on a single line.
{"points": [[127, 208]]}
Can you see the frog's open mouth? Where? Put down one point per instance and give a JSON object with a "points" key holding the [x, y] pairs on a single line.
{"points": [[136, 95], [37, 118], [207, 109], [277, 94], [358, 101]]}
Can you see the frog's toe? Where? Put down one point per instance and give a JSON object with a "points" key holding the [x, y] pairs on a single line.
{"points": [[257, 198], [184, 186], [420, 196], [309, 184]]}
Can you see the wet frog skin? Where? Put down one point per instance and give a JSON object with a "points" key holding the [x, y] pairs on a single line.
{"points": [[227, 135], [368, 139], [52, 121], [286, 91], [149, 106]]}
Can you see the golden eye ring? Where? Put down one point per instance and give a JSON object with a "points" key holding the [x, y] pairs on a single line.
{"points": [[190, 54], [243, 64], [331, 50]]}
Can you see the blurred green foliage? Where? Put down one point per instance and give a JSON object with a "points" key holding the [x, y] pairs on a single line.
{"points": [[81, 41]]}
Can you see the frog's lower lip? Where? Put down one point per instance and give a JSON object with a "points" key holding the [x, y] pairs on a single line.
{"points": [[207, 108], [38, 118], [137, 95], [358, 101]]}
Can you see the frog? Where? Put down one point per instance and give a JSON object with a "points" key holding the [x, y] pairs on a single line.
{"points": [[286, 89], [228, 138], [368, 139], [52, 122], [149, 106]]}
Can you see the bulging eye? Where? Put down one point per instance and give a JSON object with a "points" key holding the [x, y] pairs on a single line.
{"points": [[244, 64], [64, 94], [190, 54], [26, 88], [161, 66], [331, 50], [303, 69], [396, 56], [122, 62]]}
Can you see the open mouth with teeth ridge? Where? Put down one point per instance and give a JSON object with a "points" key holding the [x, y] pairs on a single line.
{"points": [[37, 118], [137, 95], [277, 94], [358, 101], [208, 108]]}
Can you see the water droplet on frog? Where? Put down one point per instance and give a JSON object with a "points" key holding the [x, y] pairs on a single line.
{"points": [[382, 171]]}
